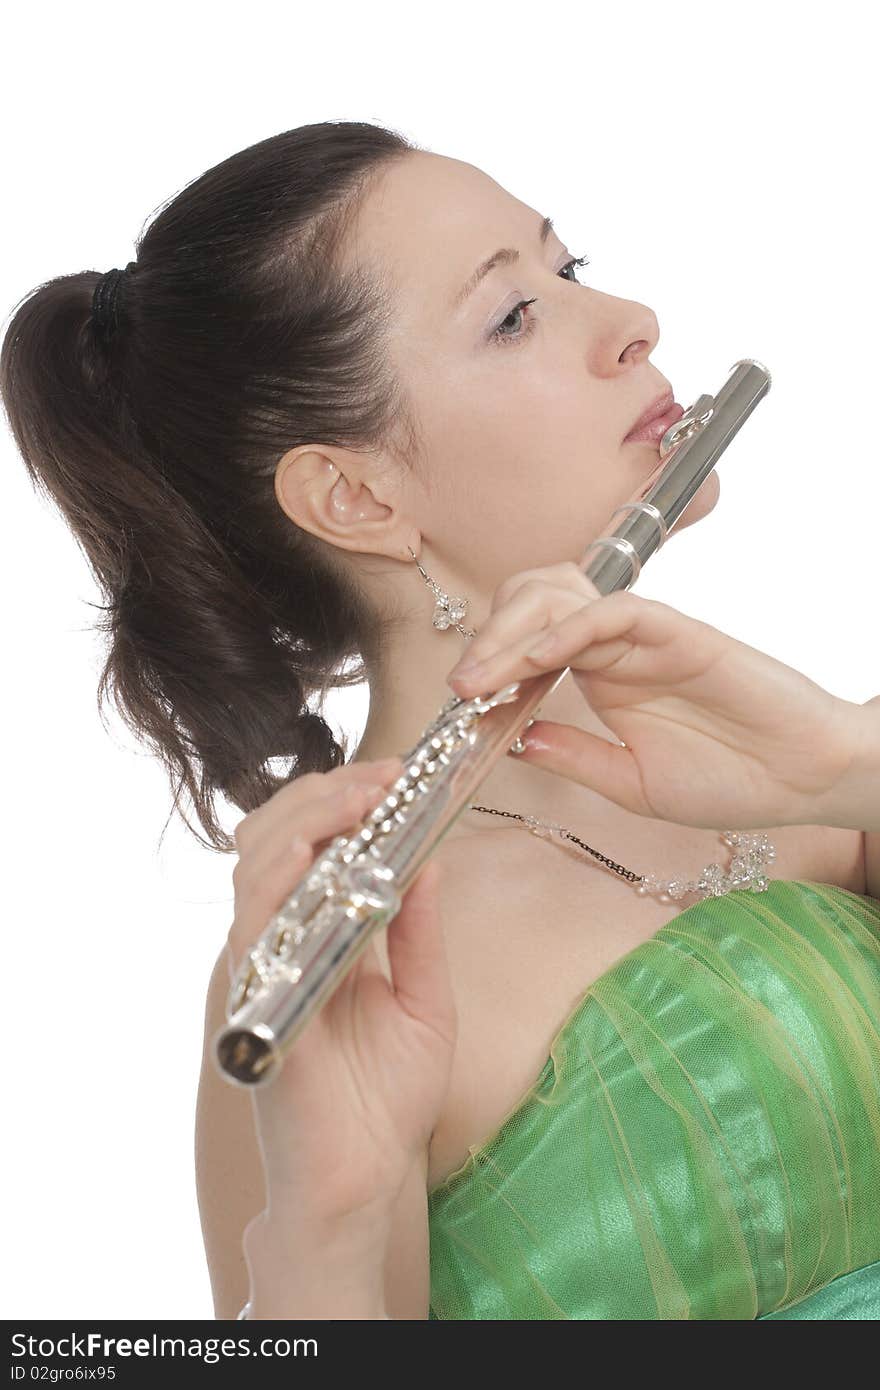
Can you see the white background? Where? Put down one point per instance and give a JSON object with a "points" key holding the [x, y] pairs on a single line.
{"points": [[717, 162]]}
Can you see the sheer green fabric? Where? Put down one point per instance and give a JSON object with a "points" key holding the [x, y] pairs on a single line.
{"points": [[704, 1138]]}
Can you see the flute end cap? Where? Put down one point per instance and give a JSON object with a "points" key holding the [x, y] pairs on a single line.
{"points": [[244, 1057], [753, 362]]}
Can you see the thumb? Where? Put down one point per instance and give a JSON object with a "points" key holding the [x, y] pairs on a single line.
{"points": [[608, 768], [416, 946]]}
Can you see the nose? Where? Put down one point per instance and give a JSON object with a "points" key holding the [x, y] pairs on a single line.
{"points": [[641, 331], [623, 332]]}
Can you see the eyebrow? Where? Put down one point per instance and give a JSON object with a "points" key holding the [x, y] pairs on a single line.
{"points": [[505, 256]]}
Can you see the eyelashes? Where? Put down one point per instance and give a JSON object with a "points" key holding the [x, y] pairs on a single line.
{"points": [[502, 338]]}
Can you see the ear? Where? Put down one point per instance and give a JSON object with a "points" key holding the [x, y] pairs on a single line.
{"points": [[352, 500]]}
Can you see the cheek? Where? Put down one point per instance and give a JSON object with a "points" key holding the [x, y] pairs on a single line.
{"points": [[549, 474], [530, 457]]}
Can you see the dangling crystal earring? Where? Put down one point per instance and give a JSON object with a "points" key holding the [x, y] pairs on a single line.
{"points": [[449, 611]]}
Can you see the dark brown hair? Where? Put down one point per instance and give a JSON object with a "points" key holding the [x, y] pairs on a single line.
{"points": [[240, 337]]}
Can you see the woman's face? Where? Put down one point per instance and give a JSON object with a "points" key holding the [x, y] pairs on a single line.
{"points": [[522, 411]]}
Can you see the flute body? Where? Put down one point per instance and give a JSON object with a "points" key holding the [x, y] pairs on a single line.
{"points": [[357, 884]]}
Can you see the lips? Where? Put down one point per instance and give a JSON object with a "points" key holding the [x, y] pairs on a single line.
{"points": [[651, 427]]}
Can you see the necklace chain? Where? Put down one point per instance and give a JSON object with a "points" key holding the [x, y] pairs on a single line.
{"points": [[533, 823], [747, 868]]}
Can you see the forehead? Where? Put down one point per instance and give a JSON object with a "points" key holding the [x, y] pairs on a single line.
{"points": [[428, 220]]}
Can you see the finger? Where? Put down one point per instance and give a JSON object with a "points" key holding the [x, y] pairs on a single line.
{"points": [[273, 816], [261, 901], [599, 637], [311, 821], [619, 625], [323, 819], [536, 606], [565, 575], [607, 768], [264, 885], [568, 642], [619, 620]]}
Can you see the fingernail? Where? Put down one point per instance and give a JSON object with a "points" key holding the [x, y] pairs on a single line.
{"points": [[534, 745]]}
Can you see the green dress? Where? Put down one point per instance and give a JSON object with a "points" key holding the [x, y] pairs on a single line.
{"points": [[704, 1138]]}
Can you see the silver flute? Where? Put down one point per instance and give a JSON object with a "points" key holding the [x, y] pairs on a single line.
{"points": [[357, 883]]}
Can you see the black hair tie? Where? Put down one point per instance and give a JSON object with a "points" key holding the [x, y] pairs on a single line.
{"points": [[104, 310]]}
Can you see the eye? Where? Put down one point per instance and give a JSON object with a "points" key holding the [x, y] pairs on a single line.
{"points": [[499, 336]]}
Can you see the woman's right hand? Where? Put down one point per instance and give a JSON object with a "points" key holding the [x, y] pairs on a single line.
{"points": [[358, 1093]]}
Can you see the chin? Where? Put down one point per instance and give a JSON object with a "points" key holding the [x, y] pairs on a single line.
{"points": [[701, 503]]}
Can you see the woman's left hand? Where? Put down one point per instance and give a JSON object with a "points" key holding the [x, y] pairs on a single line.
{"points": [[715, 731]]}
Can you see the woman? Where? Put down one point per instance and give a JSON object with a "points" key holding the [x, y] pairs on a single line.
{"points": [[310, 407]]}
